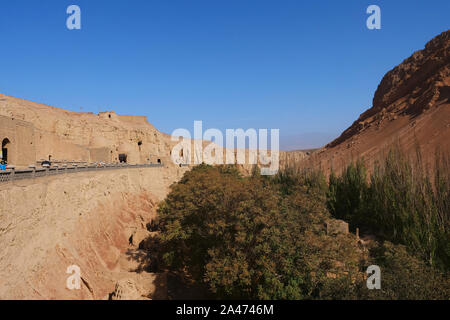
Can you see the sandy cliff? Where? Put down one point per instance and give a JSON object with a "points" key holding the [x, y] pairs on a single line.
{"points": [[411, 108], [73, 136], [84, 219]]}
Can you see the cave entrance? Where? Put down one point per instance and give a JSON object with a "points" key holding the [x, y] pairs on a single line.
{"points": [[5, 145], [122, 158]]}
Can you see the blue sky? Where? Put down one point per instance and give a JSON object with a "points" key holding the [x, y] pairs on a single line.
{"points": [[308, 68]]}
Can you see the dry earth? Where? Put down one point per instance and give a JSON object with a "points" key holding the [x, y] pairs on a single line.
{"points": [[411, 109], [91, 220]]}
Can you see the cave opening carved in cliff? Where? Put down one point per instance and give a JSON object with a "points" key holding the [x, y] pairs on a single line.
{"points": [[6, 144], [123, 158]]}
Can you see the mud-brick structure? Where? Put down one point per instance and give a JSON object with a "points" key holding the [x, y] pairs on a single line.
{"points": [[23, 144], [35, 132], [32, 132], [18, 141]]}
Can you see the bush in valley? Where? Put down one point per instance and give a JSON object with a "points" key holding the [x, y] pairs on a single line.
{"points": [[265, 238], [346, 194], [405, 277], [248, 237], [399, 203]]}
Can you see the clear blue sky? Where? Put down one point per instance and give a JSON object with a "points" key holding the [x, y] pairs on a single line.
{"points": [[308, 68]]}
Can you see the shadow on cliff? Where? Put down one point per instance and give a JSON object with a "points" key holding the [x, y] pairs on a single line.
{"points": [[169, 284], [146, 257]]}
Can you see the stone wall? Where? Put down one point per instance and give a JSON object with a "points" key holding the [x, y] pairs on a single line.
{"points": [[72, 136], [48, 144], [101, 155], [20, 138]]}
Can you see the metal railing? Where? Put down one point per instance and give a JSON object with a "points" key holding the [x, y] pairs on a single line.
{"points": [[11, 174]]}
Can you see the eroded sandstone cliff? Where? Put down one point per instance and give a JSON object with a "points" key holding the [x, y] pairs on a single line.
{"points": [[92, 220], [71, 136], [411, 109]]}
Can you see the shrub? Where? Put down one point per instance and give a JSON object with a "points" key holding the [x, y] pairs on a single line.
{"points": [[346, 195], [244, 237], [264, 237], [405, 277], [400, 204]]}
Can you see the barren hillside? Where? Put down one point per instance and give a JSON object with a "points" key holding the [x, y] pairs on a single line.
{"points": [[411, 108]]}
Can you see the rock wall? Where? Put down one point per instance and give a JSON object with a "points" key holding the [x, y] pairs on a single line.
{"points": [[70, 136], [411, 111], [15, 133], [84, 219]]}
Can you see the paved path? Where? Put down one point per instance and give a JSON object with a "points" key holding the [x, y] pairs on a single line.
{"points": [[34, 173]]}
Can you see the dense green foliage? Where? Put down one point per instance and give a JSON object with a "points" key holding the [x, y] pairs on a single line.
{"points": [[265, 237], [399, 203], [251, 237], [405, 277]]}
